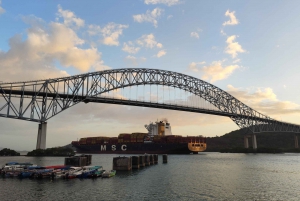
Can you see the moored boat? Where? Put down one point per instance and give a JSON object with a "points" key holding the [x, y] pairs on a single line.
{"points": [[98, 173], [108, 174]]}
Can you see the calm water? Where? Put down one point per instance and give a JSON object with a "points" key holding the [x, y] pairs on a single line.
{"points": [[207, 176]]}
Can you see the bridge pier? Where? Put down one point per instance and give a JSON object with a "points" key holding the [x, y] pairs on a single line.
{"points": [[41, 138], [254, 144], [296, 142], [246, 141]]}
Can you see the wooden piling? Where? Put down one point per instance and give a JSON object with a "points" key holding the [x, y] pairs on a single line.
{"points": [[142, 161], [79, 161], [122, 163], [151, 159], [147, 160], [155, 157], [135, 162], [165, 158]]}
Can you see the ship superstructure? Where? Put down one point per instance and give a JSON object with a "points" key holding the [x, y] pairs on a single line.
{"points": [[158, 140], [160, 128]]}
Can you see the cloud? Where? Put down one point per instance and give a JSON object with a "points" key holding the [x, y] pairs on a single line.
{"points": [[109, 34], [69, 17], [233, 20], [150, 16], [236, 61], [169, 17], [264, 100], [166, 2], [194, 66], [45, 45], [194, 35], [161, 53], [1, 9], [214, 71], [134, 61], [149, 41], [129, 47], [99, 66], [222, 32], [233, 47]]}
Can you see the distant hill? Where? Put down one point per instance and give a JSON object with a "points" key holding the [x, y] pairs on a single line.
{"points": [[235, 139], [69, 146]]}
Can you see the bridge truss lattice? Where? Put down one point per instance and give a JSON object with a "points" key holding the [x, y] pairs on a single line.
{"points": [[40, 100]]}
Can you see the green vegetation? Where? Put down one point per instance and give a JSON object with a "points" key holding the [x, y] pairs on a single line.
{"points": [[57, 151], [233, 142], [8, 152]]}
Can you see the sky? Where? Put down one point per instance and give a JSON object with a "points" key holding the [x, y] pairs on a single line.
{"points": [[248, 48]]}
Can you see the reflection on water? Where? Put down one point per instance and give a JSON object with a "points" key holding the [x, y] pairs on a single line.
{"points": [[207, 176]]}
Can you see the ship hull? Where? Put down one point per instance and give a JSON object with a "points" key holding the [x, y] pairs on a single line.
{"points": [[134, 148]]}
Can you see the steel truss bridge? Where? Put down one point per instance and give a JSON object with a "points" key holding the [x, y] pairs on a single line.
{"points": [[40, 100]]}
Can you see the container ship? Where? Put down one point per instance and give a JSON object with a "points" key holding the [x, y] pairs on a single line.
{"points": [[158, 140]]}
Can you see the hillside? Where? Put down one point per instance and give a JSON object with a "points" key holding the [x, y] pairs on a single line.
{"points": [[235, 139]]}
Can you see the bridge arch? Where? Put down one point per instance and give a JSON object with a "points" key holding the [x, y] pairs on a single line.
{"points": [[59, 94]]}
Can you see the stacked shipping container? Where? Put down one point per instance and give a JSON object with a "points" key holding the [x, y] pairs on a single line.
{"points": [[139, 138]]}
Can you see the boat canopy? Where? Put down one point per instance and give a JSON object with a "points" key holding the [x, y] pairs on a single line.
{"points": [[12, 163]]}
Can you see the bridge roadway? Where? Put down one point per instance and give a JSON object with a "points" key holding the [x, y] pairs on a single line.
{"points": [[94, 99]]}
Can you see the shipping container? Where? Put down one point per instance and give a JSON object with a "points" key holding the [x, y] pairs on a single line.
{"points": [[122, 134]]}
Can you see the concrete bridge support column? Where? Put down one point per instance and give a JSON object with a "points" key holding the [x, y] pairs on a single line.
{"points": [[296, 142], [254, 144], [41, 139], [246, 142]]}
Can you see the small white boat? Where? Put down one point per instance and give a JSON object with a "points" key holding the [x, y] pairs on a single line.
{"points": [[108, 174]]}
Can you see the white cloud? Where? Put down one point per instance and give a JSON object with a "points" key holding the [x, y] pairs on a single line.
{"points": [[236, 61], [222, 32], [1, 9], [169, 17], [149, 41], [166, 2], [161, 53], [69, 17], [232, 20], [159, 45], [134, 60], [45, 44], [150, 16], [129, 47], [194, 35], [263, 100], [194, 66], [99, 66], [233, 47], [110, 33], [94, 30], [214, 71]]}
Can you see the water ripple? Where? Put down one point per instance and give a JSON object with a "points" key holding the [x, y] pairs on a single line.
{"points": [[207, 176]]}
